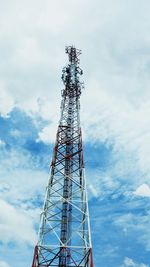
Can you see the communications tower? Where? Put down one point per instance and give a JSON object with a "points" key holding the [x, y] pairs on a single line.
{"points": [[64, 238]]}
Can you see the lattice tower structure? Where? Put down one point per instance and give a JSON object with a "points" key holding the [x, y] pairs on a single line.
{"points": [[64, 237]]}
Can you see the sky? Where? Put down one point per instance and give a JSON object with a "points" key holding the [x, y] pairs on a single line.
{"points": [[115, 119]]}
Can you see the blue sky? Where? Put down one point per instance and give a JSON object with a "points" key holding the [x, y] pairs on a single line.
{"points": [[115, 112]]}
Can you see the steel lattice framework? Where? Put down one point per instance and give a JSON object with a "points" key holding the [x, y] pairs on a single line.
{"points": [[64, 238]]}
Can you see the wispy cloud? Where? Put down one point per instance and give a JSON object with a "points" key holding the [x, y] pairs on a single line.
{"points": [[129, 262], [19, 228]]}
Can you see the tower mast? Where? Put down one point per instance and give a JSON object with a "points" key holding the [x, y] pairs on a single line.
{"points": [[64, 238]]}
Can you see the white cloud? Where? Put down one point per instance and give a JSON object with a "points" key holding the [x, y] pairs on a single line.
{"points": [[115, 104], [128, 262], [4, 264], [15, 225], [48, 133], [114, 119], [102, 183], [143, 190], [21, 179], [95, 191], [21, 185], [6, 100], [2, 143]]}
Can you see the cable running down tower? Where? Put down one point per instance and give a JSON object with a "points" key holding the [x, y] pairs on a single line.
{"points": [[64, 238]]}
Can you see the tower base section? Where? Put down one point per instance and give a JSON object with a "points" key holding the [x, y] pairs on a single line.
{"points": [[73, 257]]}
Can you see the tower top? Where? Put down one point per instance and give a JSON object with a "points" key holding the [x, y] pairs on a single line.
{"points": [[71, 74], [73, 54]]}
